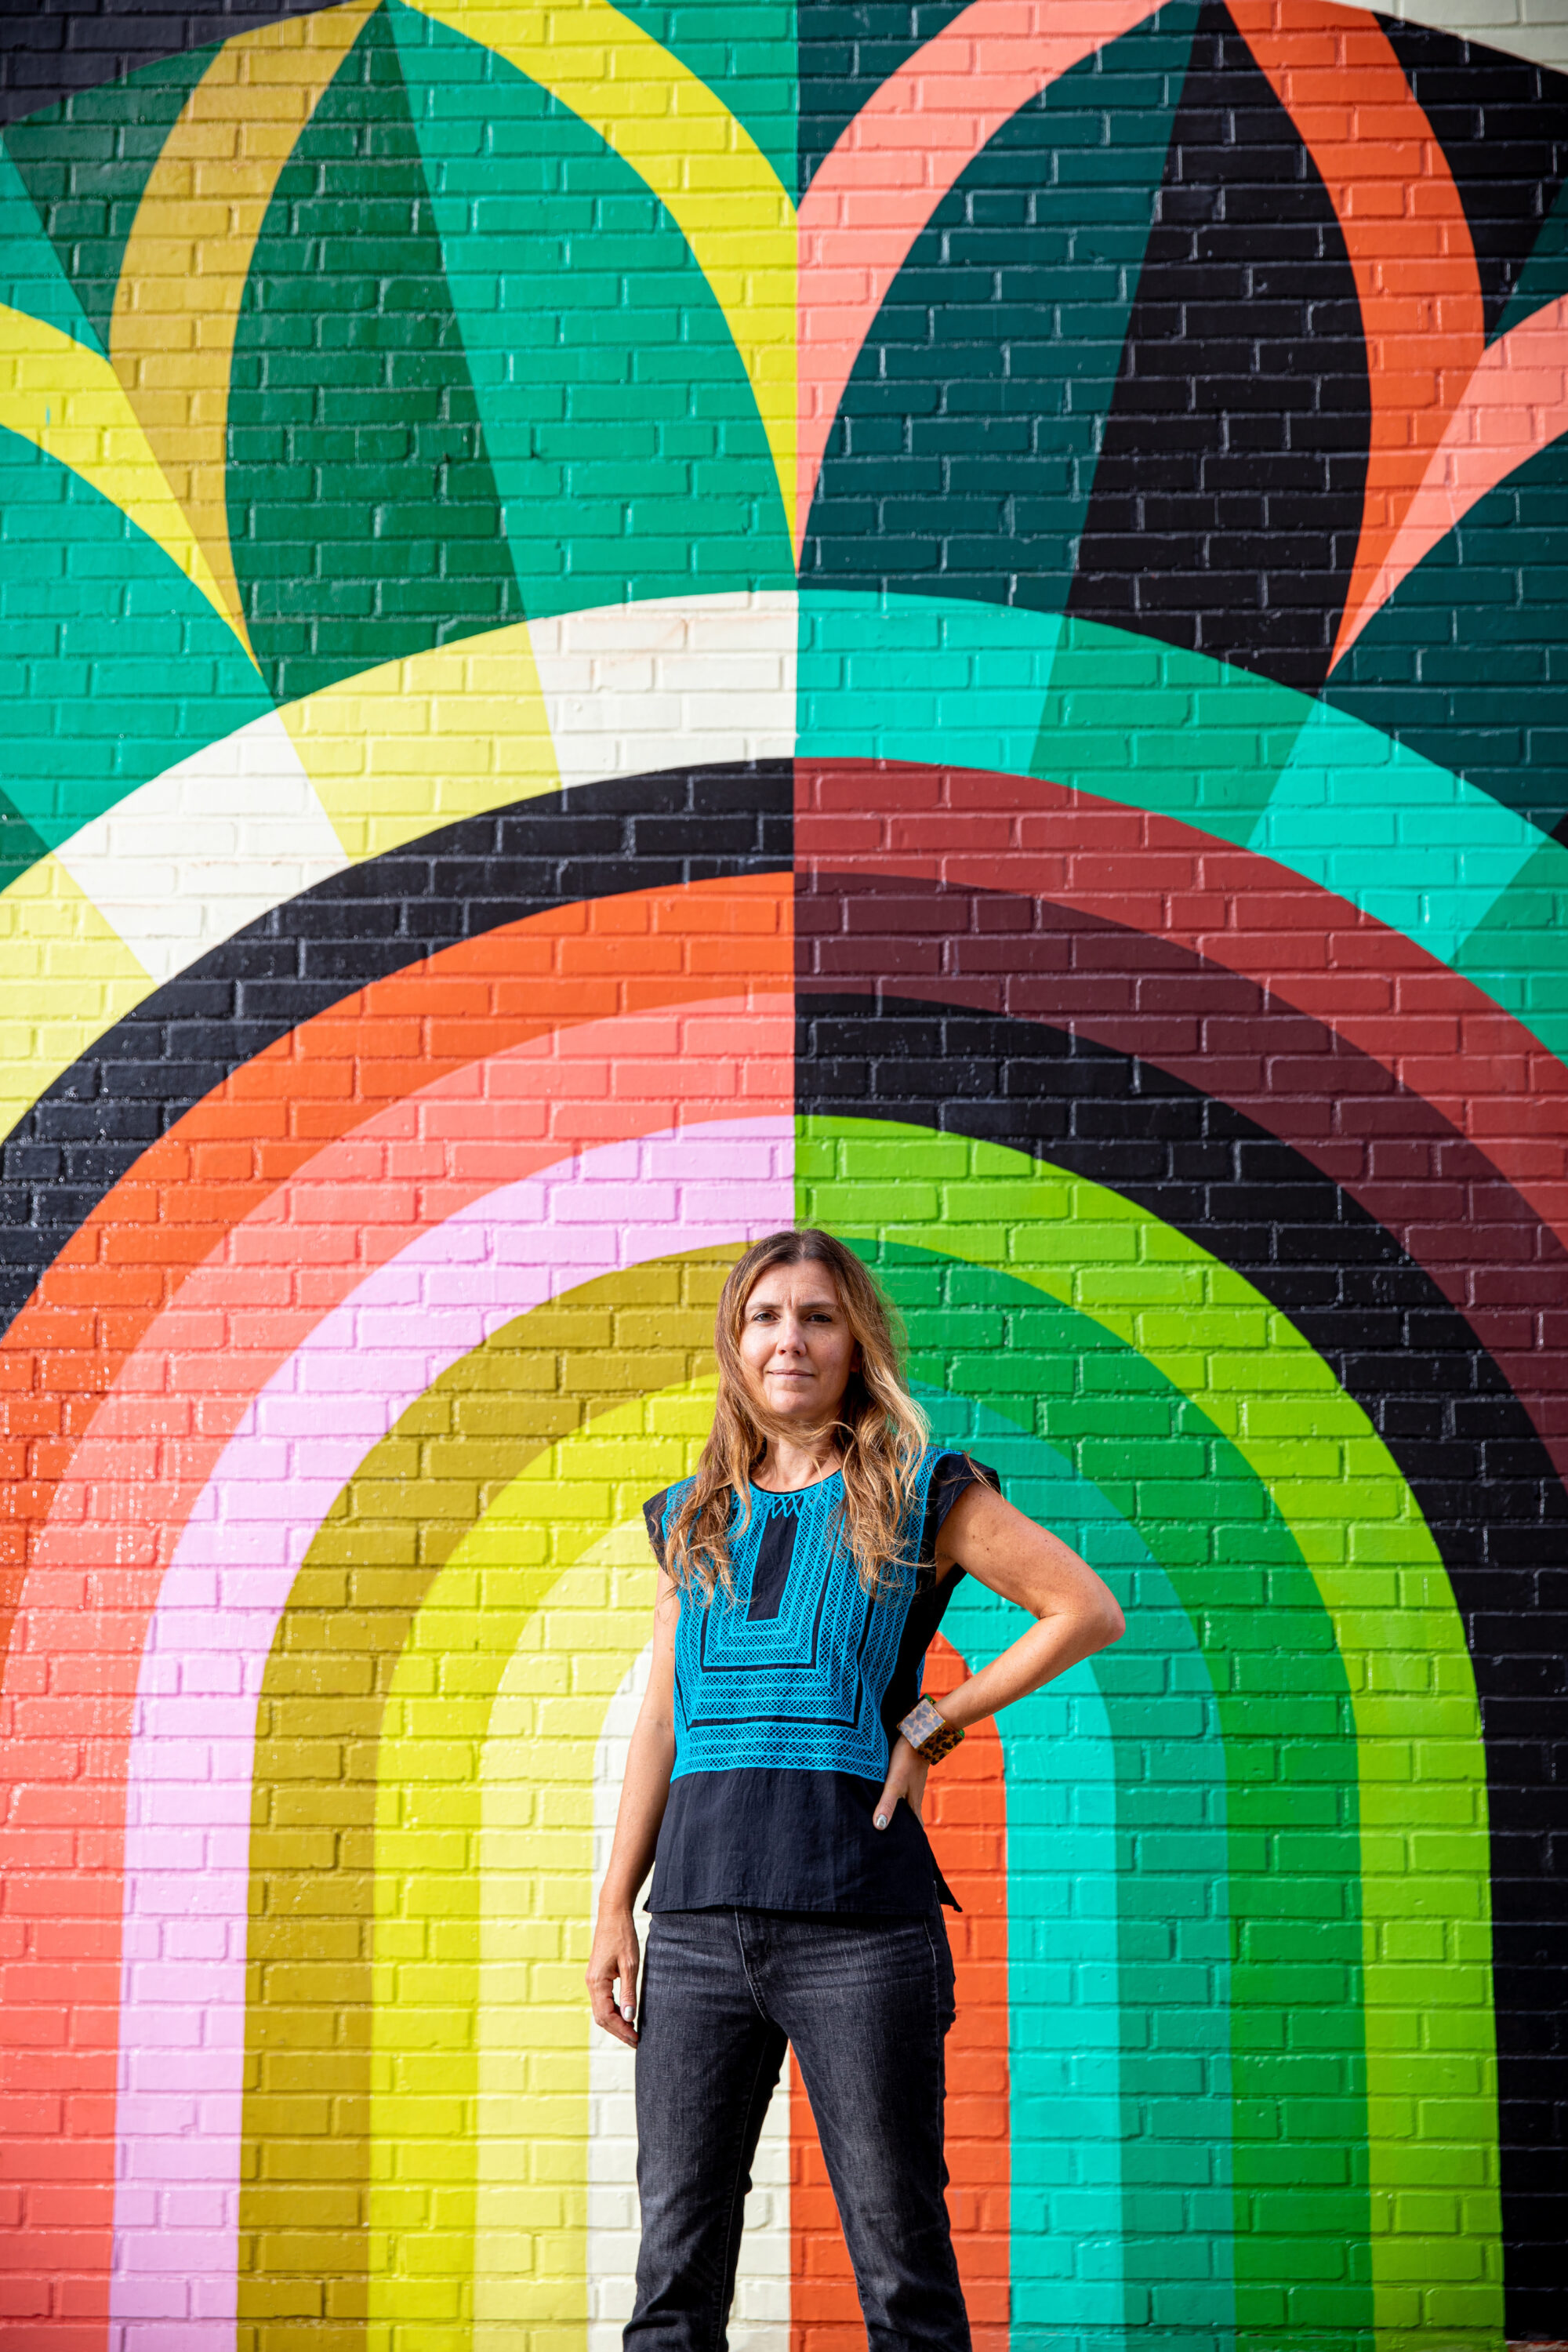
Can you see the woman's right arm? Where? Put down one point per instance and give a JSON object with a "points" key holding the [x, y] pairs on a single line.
{"points": [[614, 1960]]}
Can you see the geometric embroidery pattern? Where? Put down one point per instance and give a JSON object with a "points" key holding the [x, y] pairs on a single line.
{"points": [[800, 1691]]}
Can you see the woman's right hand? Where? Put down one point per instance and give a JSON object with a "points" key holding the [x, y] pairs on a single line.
{"points": [[613, 1965]]}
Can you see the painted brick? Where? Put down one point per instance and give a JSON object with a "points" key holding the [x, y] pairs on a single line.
{"points": [[1196, 1085]]}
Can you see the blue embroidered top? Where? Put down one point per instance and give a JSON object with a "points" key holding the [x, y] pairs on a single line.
{"points": [[788, 1692]]}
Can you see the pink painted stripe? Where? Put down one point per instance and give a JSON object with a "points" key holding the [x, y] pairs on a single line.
{"points": [[1515, 406], [894, 162], [188, 1794]]}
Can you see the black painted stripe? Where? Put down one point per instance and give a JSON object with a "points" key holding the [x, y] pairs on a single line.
{"points": [[1482, 1478], [50, 49], [597, 841]]}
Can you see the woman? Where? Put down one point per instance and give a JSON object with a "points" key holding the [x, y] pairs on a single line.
{"points": [[775, 1780]]}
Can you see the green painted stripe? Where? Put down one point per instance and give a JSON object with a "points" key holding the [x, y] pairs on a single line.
{"points": [[1280, 1686], [1431, 2060], [365, 519], [85, 161], [1120, 1917], [32, 279], [628, 453]]}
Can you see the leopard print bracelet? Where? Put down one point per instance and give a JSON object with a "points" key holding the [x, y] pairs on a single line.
{"points": [[929, 1733]]}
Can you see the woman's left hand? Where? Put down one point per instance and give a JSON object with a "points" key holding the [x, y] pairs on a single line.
{"points": [[905, 1779]]}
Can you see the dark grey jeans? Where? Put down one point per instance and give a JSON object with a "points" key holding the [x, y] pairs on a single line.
{"points": [[867, 2004]]}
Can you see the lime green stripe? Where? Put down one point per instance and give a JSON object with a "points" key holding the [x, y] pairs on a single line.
{"points": [[1431, 2056]]}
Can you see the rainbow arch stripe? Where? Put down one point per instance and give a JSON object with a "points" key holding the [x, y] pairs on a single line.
{"points": [[349, 1938], [416, 1018]]}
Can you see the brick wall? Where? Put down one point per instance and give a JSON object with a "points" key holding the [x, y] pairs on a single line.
{"points": [[622, 628]]}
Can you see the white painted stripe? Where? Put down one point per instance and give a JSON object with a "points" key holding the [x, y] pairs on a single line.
{"points": [[1536, 29], [193, 855], [220, 839], [681, 681], [759, 2320]]}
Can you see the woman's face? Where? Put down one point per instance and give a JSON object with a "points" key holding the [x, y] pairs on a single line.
{"points": [[795, 1343]]}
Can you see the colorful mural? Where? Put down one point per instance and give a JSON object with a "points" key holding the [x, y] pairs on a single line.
{"points": [[623, 626]]}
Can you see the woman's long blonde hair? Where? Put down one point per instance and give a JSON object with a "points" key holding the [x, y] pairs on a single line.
{"points": [[879, 1429]]}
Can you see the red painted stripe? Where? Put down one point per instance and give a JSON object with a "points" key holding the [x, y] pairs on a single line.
{"points": [[966, 1812], [1399, 1079]]}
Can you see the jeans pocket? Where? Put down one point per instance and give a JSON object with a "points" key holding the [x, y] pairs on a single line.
{"points": [[941, 1961]]}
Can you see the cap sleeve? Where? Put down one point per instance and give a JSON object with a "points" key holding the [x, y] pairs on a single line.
{"points": [[953, 1476], [653, 1512]]}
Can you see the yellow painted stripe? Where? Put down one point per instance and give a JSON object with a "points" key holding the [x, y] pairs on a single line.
{"points": [[66, 976], [699, 161], [479, 2112], [68, 401], [188, 256], [536, 1907], [395, 752]]}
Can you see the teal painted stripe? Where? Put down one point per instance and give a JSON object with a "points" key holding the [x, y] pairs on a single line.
{"points": [[1544, 277], [1031, 693], [1119, 1935], [31, 277], [85, 162], [1293, 1854], [1098, 711], [744, 49], [113, 666], [1401, 838], [921, 678], [1133, 720], [965, 453], [1519, 950]]}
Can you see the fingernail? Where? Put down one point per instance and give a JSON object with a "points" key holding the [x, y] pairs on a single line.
{"points": [[881, 1821], [626, 2011]]}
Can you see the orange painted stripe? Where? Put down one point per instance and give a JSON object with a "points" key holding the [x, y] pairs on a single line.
{"points": [[1336, 72], [1515, 406], [121, 1505], [232, 1152], [966, 1812]]}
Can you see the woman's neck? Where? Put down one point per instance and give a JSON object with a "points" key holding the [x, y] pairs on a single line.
{"points": [[786, 1467]]}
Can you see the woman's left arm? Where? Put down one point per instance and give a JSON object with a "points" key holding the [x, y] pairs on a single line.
{"points": [[1075, 1615]]}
